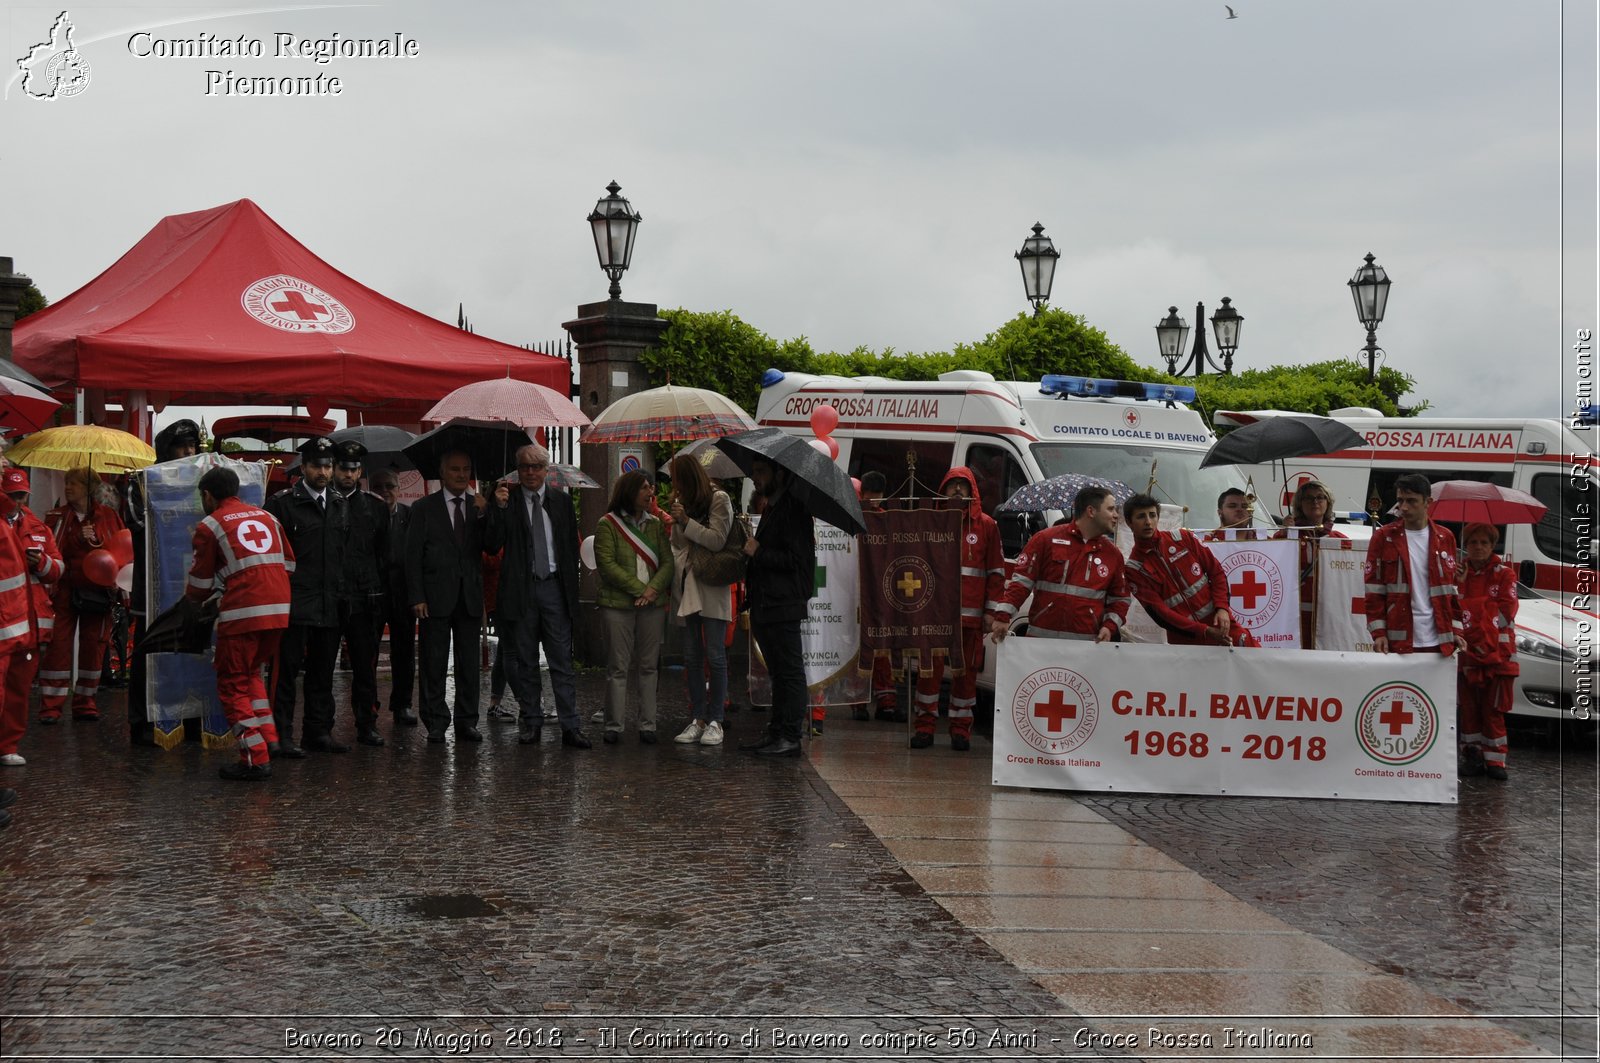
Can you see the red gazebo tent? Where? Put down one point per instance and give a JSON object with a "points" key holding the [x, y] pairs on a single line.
{"points": [[224, 307]]}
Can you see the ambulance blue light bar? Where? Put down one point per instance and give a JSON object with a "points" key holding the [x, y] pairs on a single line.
{"points": [[1092, 388]]}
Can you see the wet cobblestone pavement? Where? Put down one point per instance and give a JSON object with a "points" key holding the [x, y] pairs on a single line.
{"points": [[693, 894], [1489, 903], [620, 881]]}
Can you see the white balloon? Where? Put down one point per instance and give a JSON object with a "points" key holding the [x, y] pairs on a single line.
{"points": [[125, 578], [586, 553]]}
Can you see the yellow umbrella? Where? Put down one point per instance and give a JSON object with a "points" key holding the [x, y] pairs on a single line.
{"points": [[75, 446]]}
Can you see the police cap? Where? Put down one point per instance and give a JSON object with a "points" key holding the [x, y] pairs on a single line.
{"points": [[348, 453], [318, 451]]}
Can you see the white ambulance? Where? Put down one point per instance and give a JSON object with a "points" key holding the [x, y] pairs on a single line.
{"points": [[1549, 459], [1011, 433]]}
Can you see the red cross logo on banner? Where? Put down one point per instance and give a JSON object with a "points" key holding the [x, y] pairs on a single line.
{"points": [[1250, 588], [1055, 711], [1395, 717]]}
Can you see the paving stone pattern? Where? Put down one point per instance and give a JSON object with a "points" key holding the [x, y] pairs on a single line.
{"points": [[1489, 903], [415, 881]]}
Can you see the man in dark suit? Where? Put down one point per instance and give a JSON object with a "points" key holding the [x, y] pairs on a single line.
{"points": [[444, 581], [781, 580], [317, 522], [538, 593], [397, 614], [361, 611]]}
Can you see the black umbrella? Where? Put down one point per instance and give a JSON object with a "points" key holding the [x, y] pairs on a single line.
{"points": [[385, 444], [492, 445], [1276, 438], [819, 484], [183, 627]]}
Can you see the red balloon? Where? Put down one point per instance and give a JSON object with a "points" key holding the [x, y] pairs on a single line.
{"points": [[833, 448], [824, 419], [121, 547], [100, 567], [317, 409]]}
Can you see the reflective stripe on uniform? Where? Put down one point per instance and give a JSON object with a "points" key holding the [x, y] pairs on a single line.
{"points": [[275, 609]]}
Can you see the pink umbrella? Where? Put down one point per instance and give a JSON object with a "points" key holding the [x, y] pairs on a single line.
{"points": [[1471, 502], [527, 405]]}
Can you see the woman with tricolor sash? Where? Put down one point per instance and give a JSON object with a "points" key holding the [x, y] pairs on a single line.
{"points": [[635, 563]]}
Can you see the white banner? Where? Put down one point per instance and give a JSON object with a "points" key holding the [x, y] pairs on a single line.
{"points": [[1264, 587], [1341, 596], [1202, 720], [830, 634]]}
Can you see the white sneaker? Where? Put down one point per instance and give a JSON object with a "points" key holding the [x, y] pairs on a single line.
{"points": [[599, 717], [712, 735], [12, 760], [691, 734]]}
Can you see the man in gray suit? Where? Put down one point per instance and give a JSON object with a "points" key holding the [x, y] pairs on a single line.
{"points": [[445, 543], [538, 592]]}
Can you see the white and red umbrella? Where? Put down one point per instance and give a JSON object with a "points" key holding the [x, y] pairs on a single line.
{"points": [[668, 413], [520, 402], [24, 408]]}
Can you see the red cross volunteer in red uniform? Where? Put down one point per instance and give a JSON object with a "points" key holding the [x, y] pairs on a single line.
{"points": [[1075, 575], [1178, 582], [1411, 599], [81, 527], [42, 559], [1488, 591], [242, 552], [983, 570]]}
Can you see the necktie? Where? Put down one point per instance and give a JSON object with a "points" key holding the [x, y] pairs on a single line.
{"points": [[541, 550], [322, 503], [461, 523]]}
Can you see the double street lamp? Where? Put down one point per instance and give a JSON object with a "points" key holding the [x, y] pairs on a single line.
{"points": [[614, 223], [1370, 289], [1172, 332]]}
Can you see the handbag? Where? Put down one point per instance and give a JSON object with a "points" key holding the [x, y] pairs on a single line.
{"points": [[718, 568], [91, 601]]}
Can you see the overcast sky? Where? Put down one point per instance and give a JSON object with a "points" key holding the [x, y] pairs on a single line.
{"points": [[861, 173]]}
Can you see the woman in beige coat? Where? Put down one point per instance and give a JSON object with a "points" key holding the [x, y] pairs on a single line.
{"points": [[701, 515]]}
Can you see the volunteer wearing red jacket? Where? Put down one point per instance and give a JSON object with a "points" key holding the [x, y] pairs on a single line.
{"points": [[241, 551], [1075, 575], [44, 565], [1488, 590], [1178, 582], [983, 570], [80, 527], [1411, 600]]}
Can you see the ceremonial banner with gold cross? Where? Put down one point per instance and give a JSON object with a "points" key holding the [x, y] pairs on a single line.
{"points": [[911, 588]]}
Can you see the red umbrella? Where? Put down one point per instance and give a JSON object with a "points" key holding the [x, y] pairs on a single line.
{"points": [[526, 405], [1471, 502], [24, 408]]}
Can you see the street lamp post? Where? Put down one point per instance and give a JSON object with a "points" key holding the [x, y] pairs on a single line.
{"points": [[1370, 289], [1172, 332], [1038, 260], [614, 223]]}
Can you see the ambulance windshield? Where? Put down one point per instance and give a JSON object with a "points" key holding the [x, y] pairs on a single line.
{"points": [[1178, 475]]}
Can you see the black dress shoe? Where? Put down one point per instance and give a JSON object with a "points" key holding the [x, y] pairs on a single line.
{"points": [[921, 740], [285, 750], [405, 718], [529, 736], [960, 743], [436, 737], [143, 735], [465, 732], [242, 772], [611, 738], [860, 713], [647, 738], [783, 747], [767, 739], [8, 797], [325, 744], [576, 739], [369, 736]]}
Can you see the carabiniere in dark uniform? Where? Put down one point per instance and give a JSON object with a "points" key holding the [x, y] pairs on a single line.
{"points": [[360, 612]]}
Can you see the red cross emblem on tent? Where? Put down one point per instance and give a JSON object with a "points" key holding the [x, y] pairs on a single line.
{"points": [[292, 305]]}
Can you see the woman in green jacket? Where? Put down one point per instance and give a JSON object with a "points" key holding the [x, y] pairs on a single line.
{"points": [[635, 563]]}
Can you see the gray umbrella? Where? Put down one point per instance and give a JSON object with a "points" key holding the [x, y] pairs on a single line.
{"points": [[385, 444], [820, 485], [16, 372], [718, 465]]}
